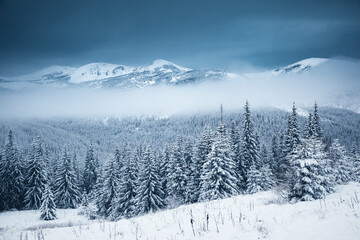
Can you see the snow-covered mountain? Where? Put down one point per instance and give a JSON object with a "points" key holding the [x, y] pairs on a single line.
{"points": [[106, 75], [301, 66]]}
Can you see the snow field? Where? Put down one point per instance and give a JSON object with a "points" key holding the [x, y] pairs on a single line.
{"points": [[263, 215]]}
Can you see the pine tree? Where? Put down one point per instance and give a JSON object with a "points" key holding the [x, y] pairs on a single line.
{"points": [[219, 178], [148, 198], [340, 162], [249, 144], [109, 188], [188, 170], [254, 181], [48, 208], [123, 204], [308, 179], [292, 140], [267, 181], [36, 176], [316, 123], [177, 177], [90, 170], [264, 157], [309, 128], [67, 191], [356, 160], [201, 150], [164, 170], [76, 168], [275, 157], [11, 176], [235, 144], [293, 133]]}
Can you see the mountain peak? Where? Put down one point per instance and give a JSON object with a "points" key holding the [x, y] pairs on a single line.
{"points": [[158, 63], [301, 66]]}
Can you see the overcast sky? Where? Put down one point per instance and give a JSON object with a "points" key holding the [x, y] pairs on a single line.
{"points": [[229, 35]]}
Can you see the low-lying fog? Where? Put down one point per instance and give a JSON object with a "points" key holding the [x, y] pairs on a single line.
{"points": [[335, 83]]}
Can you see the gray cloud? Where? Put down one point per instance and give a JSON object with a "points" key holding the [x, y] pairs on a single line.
{"points": [[203, 33]]}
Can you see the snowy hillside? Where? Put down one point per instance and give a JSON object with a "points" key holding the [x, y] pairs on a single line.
{"points": [[105, 75], [258, 216], [301, 66]]}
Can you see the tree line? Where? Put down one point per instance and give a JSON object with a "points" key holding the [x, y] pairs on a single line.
{"points": [[220, 164]]}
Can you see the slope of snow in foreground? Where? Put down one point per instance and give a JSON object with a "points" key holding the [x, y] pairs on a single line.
{"points": [[259, 216]]}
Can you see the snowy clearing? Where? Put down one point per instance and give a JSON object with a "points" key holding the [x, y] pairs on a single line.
{"points": [[257, 216]]}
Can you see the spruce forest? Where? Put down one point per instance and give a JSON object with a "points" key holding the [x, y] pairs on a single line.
{"points": [[232, 159]]}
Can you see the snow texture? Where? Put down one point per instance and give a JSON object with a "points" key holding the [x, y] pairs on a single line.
{"points": [[258, 216]]}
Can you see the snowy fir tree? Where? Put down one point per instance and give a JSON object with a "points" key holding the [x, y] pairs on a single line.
{"points": [[201, 151], [218, 177], [48, 208], [308, 179], [11, 176], [76, 168], [275, 157], [264, 156], [267, 179], [188, 170], [235, 144], [164, 159], [36, 176], [317, 131], [67, 190], [149, 192], [249, 144], [340, 162], [356, 159], [123, 204], [292, 138], [177, 176], [254, 181], [309, 128], [108, 189], [90, 170]]}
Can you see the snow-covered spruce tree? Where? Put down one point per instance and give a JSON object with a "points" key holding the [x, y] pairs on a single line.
{"points": [[148, 194], [188, 170], [309, 128], [48, 208], [177, 178], [76, 168], [218, 177], [275, 157], [356, 159], [249, 148], [11, 176], [292, 140], [36, 176], [164, 159], [201, 150], [254, 181], [109, 187], [267, 179], [340, 162], [235, 145], [123, 205], [67, 191], [308, 179], [90, 170], [317, 131], [264, 156]]}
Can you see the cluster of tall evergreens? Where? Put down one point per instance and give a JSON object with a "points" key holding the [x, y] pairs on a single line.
{"points": [[225, 163]]}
